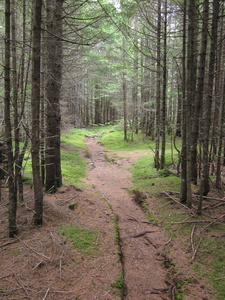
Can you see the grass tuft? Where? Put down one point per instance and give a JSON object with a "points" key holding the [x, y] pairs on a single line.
{"points": [[120, 285], [83, 239]]}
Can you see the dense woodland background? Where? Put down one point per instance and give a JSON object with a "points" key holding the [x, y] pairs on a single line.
{"points": [[156, 65]]}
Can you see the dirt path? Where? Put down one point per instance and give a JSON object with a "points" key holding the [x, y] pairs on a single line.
{"points": [[143, 272]]}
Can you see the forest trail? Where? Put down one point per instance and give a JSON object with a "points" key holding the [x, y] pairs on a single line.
{"points": [[140, 241]]}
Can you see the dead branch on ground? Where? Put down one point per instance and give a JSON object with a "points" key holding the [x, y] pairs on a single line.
{"points": [[21, 285], [169, 240], [211, 223], [33, 250], [196, 251], [9, 243], [212, 198], [46, 294], [151, 242], [176, 201], [142, 233], [192, 222], [131, 218]]}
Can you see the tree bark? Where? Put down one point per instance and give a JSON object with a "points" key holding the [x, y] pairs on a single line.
{"points": [[200, 92], [220, 142], [97, 105], [204, 186], [183, 188], [12, 207], [35, 102], [164, 93], [158, 90], [54, 82], [191, 90]]}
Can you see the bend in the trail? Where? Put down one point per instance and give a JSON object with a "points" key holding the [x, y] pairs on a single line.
{"points": [[144, 275]]}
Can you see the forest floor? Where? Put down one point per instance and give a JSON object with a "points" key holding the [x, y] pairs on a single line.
{"points": [[129, 258]]}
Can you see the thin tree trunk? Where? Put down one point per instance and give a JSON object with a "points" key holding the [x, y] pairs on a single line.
{"points": [[1, 169], [124, 91], [191, 90], [35, 102], [124, 107], [164, 94], [200, 92], [135, 88], [12, 207], [220, 144], [158, 92], [183, 189], [97, 105], [54, 70], [15, 99], [204, 186]]}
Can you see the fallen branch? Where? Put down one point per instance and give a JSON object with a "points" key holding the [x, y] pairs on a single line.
{"points": [[151, 242], [192, 222], [194, 195], [133, 219], [9, 243], [46, 294], [106, 199], [211, 198], [192, 242], [169, 240], [22, 286], [211, 223], [32, 249], [60, 268], [38, 265], [196, 251], [141, 233], [181, 204], [62, 292], [157, 291], [214, 205], [144, 222], [8, 292]]}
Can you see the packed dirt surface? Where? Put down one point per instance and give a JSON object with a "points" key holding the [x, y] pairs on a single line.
{"points": [[139, 240], [130, 261]]}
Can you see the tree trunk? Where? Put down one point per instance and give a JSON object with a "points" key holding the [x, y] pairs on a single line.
{"points": [[183, 188], [220, 143], [15, 99], [158, 92], [97, 105], [54, 74], [35, 102], [204, 186], [200, 92], [135, 87], [12, 207], [164, 94], [191, 91]]}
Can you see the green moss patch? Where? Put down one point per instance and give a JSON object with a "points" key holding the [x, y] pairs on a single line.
{"points": [[83, 239]]}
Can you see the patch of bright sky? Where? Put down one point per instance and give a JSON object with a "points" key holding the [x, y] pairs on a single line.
{"points": [[116, 4]]}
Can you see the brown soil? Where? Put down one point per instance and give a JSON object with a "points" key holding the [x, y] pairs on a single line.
{"points": [[40, 264]]}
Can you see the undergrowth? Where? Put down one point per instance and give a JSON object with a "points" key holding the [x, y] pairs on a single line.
{"points": [[72, 165]]}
